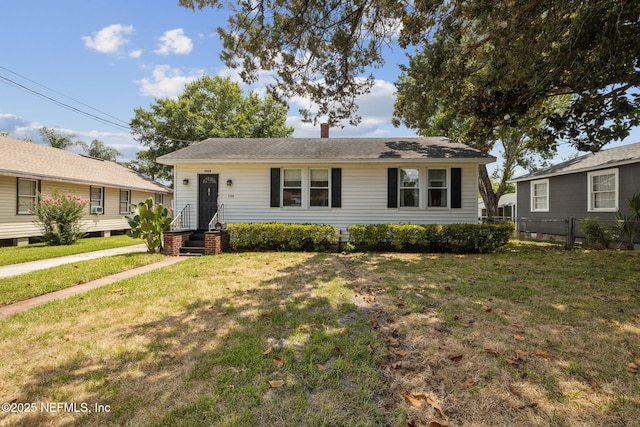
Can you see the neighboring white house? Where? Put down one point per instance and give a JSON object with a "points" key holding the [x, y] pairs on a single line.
{"points": [[506, 208], [335, 181], [27, 168]]}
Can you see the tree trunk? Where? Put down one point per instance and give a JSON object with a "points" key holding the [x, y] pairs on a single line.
{"points": [[489, 196]]}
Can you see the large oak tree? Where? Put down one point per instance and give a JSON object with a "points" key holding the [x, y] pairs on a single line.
{"points": [[487, 64], [210, 107]]}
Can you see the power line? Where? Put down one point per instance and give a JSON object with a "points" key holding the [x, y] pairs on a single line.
{"points": [[113, 123]]}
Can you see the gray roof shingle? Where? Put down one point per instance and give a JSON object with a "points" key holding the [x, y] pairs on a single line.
{"points": [[330, 149], [603, 159], [28, 159]]}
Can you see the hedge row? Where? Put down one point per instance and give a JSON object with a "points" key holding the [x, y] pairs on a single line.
{"points": [[453, 238], [282, 237]]}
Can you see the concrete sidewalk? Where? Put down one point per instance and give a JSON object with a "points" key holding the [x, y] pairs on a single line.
{"points": [[17, 307], [27, 267]]}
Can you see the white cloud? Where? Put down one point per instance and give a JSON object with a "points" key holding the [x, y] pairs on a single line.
{"points": [[166, 82], [109, 39], [135, 53], [375, 109], [174, 41]]}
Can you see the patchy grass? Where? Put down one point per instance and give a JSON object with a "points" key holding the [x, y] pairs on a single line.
{"points": [[531, 336], [37, 251], [40, 282]]}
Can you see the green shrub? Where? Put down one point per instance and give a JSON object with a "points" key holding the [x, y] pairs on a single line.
{"points": [[598, 234], [282, 237], [58, 216], [453, 238], [149, 222]]}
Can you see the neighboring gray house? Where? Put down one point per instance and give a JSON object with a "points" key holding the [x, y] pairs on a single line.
{"points": [[593, 185], [335, 181]]}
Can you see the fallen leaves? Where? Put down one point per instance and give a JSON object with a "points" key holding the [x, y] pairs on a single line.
{"points": [[632, 368], [420, 399], [278, 362], [276, 383]]}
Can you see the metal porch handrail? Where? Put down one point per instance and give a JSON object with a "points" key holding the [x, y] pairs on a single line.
{"points": [[182, 221], [218, 218]]}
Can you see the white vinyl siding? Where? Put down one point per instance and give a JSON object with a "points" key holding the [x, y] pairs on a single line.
{"points": [[19, 226], [364, 195], [603, 191], [540, 195]]}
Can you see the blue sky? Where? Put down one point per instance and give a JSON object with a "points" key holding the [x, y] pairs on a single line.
{"points": [[108, 57]]}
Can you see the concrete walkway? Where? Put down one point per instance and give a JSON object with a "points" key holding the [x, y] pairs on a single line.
{"points": [[28, 267], [7, 310]]}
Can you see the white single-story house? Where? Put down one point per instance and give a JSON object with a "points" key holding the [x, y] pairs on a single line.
{"points": [[334, 181], [506, 208], [27, 169]]}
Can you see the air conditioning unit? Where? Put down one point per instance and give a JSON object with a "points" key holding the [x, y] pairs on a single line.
{"points": [[96, 210]]}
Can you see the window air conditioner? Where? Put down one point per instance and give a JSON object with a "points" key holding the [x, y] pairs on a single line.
{"points": [[96, 210]]}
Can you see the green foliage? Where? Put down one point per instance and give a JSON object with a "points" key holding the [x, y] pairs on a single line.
{"points": [[491, 61], [210, 107], [629, 222], [452, 238], [283, 237], [58, 216], [57, 139], [98, 150], [149, 222], [599, 234]]}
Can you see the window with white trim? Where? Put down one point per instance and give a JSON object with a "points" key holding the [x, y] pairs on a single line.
{"points": [[409, 188], [27, 196], [540, 195], [159, 198], [437, 188], [125, 201], [603, 191], [292, 187], [319, 187], [96, 200]]}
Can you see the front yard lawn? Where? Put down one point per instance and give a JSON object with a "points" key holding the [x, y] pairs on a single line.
{"points": [[28, 285], [37, 251], [530, 336]]}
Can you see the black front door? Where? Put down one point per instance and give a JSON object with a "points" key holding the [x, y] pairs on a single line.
{"points": [[207, 199]]}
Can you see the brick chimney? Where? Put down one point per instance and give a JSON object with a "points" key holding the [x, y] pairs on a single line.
{"points": [[324, 130]]}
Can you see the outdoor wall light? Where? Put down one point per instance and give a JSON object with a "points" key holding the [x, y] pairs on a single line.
{"points": [[185, 181], [229, 182]]}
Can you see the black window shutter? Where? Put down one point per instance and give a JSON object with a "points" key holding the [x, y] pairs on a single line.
{"points": [[336, 187], [392, 188], [456, 187], [275, 187]]}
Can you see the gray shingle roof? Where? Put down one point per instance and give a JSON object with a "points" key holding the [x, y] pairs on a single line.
{"points": [[30, 160], [603, 159], [329, 149]]}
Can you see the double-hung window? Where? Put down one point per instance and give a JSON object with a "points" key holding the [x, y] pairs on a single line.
{"points": [[319, 187], [27, 196], [603, 191], [292, 187], [96, 200], [409, 188], [437, 188], [540, 195], [125, 201]]}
